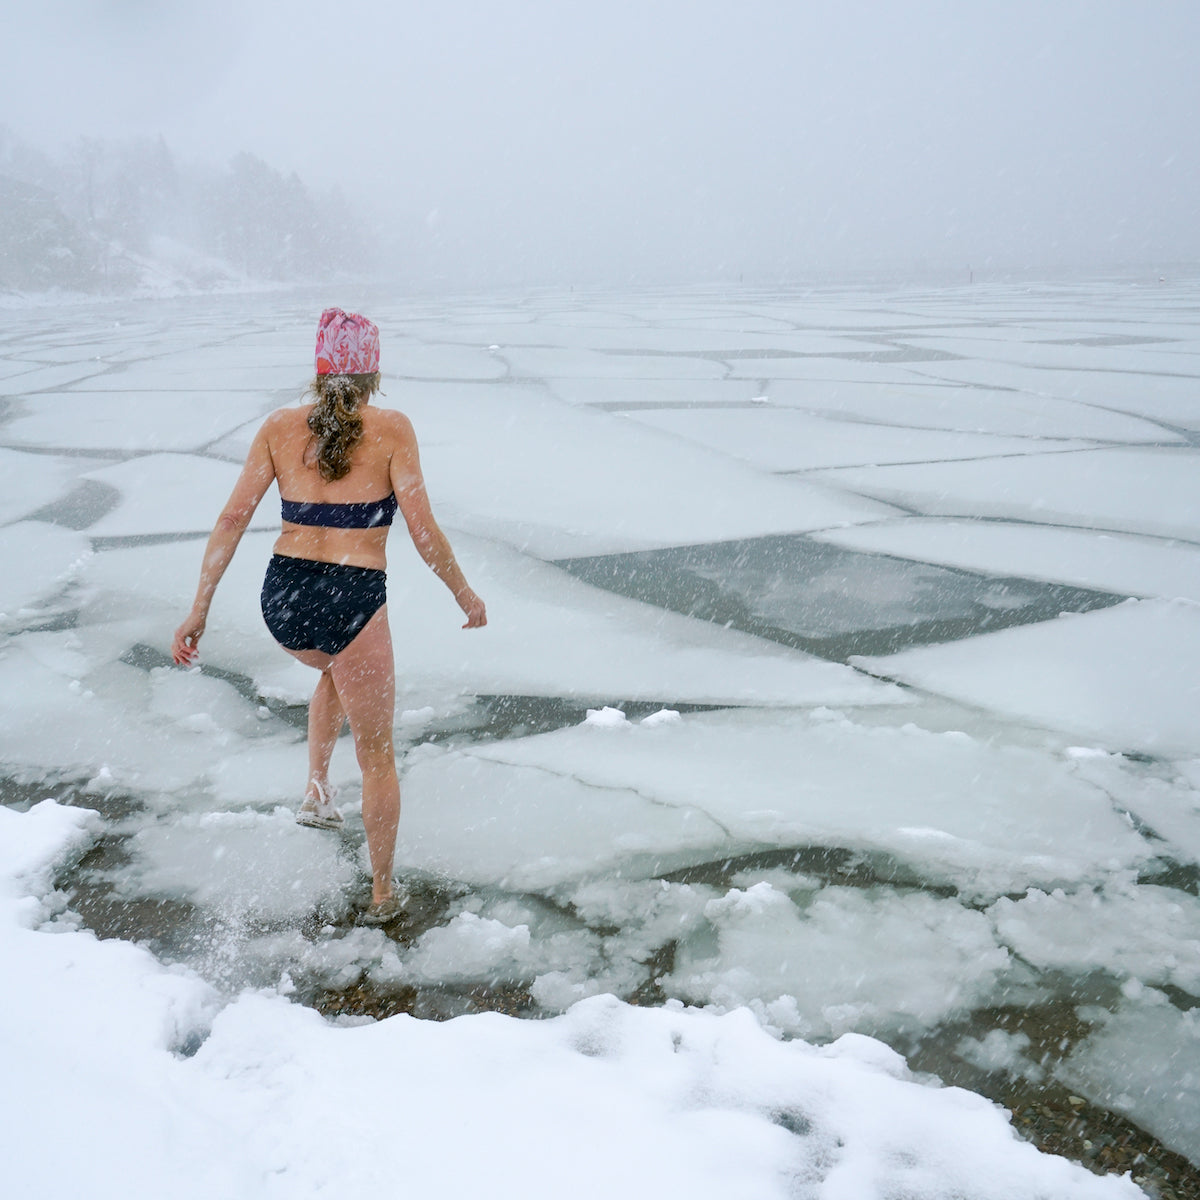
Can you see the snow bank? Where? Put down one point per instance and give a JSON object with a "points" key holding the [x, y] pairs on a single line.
{"points": [[605, 1101]]}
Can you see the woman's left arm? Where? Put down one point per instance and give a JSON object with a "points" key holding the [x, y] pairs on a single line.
{"points": [[257, 475]]}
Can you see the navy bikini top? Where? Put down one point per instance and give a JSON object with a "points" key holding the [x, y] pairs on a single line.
{"points": [[365, 515]]}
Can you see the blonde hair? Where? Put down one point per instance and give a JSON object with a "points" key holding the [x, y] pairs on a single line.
{"points": [[335, 421]]}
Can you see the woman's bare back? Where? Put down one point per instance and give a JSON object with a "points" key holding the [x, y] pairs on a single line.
{"points": [[384, 461]]}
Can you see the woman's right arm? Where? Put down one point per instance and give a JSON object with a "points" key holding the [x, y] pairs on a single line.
{"points": [[257, 475], [432, 544]]}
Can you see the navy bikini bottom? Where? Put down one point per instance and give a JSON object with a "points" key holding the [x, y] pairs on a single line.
{"points": [[310, 605]]}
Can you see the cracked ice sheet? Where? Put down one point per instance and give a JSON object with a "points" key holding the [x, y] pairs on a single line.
{"points": [[589, 642], [987, 818], [1110, 562], [160, 376], [409, 359], [596, 483], [728, 345], [1169, 806], [220, 353], [241, 865], [553, 362], [787, 440], [139, 594], [163, 421], [172, 493], [1143, 1061], [48, 558], [735, 322], [655, 340], [1141, 932], [10, 367], [494, 337], [532, 829], [630, 1101], [806, 377], [667, 392], [44, 378], [963, 408], [805, 371], [1170, 398], [69, 709], [767, 945], [1124, 678], [31, 481], [1026, 348], [1124, 490]]}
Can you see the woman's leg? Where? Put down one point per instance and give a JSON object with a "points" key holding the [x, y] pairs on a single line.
{"points": [[325, 720], [364, 675]]}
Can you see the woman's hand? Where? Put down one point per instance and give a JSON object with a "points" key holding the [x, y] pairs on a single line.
{"points": [[183, 646], [473, 607]]}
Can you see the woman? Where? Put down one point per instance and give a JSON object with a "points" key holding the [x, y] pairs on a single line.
{"points": [[344, 467]]}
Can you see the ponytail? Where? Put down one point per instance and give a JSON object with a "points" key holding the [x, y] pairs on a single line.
{"points": [[335, 421]]}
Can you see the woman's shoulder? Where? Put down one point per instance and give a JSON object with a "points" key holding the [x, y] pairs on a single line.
{"points": [[283, 420], [389, 421], [293, 412]]}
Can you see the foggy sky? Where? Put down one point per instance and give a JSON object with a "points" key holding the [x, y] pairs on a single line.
{"points": [[672, 141]]}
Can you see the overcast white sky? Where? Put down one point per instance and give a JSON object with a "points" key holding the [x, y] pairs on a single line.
{"points": [[665, 140]]}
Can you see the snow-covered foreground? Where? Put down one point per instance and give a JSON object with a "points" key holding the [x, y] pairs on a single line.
{"points": [[970, 831], [608, 1100]]}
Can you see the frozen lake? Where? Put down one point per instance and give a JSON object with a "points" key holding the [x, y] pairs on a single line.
{"points": [[843, 666]]}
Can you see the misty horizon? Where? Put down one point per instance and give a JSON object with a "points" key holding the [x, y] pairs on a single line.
{"points": [[482, 147]]}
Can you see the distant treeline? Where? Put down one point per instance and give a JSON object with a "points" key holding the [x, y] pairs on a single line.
{"points": [[115, 216]]}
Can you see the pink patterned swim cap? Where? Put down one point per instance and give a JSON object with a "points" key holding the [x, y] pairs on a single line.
{"points": [[347, 344]]}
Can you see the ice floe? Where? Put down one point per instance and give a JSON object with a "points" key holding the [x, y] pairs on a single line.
{"points": [[172, 493], [946, 806], [787, 440], [1113, 562], [1124, 490], [1125, 677], [49, 557], [599, 484], [1143, 1060], [32, 481], [166, 421], [912, 402]]}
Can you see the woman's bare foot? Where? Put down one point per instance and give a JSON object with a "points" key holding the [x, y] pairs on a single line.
{"points": [[383, 912], [317, 810]]}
